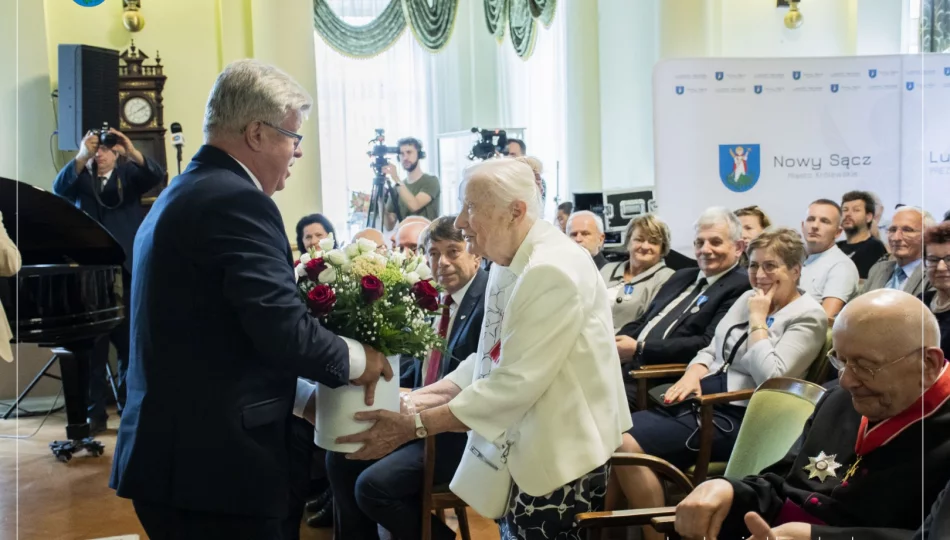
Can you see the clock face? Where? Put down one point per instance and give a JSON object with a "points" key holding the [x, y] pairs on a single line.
{"points": [[137, 111]]}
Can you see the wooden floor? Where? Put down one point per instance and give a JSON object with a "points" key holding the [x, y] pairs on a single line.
{"points": [[42, 498]]}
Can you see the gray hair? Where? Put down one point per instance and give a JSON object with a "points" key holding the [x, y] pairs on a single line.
{"points": [[248, 91], [720, 215], [510, 180], [925, 217], [597, 219]]}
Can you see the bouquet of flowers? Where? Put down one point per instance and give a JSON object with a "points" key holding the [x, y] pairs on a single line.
{"points": [[379, 300]]}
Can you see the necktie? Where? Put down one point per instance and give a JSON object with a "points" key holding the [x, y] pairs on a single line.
{"points": [[897, 282], [659, 330], [102, 181], [435, 357]]}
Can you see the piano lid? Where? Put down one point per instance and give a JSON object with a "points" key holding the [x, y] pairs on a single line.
{"points": [[50, 230]]}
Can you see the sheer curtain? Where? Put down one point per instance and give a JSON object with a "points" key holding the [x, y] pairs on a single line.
{"points": [[354, 97], [531, 96]]}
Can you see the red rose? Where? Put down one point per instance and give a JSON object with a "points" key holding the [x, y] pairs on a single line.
{"points": [[372, 288], [314, 267], [426, 295], [321, 300]]}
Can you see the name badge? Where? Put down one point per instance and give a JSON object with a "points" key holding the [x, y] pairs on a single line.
{"points": [[769, 321]]}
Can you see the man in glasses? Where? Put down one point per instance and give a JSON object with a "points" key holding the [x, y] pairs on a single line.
{"points": [[858, 470], [903, 271]]}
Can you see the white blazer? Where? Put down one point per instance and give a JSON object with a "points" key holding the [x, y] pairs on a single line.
{"points": [[557, 388]]}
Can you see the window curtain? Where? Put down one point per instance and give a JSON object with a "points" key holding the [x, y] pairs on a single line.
{"points": [[431, 22], [531, 96], [935, 26], [354, 97], [520, 17]]}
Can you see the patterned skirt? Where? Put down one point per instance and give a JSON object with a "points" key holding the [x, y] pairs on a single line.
{"points": [[551, 517]]}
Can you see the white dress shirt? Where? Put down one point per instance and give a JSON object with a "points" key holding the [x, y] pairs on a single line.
{"points": [[305, 388], [457, 298]]}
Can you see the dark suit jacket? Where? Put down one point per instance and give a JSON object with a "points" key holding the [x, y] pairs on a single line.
{"points": [[124, 220], [693, 331], [219, 337], [465, 334]]}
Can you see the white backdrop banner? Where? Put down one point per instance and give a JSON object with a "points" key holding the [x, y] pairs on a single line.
{"points": [[780, 133]]}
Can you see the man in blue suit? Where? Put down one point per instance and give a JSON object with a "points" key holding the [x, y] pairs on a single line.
{"points": [[219, 332], [110, 190], [388, 492]]}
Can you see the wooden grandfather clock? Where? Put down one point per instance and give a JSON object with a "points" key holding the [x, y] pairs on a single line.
{"points": [[141, 115]]}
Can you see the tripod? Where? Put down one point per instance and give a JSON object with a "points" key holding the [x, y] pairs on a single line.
{"points": [[377, 201]]}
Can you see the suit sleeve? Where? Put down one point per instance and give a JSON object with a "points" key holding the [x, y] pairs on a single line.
{"points": [[242, 239], [546, 298], [66, 184], [144, 178], [791, 355]]}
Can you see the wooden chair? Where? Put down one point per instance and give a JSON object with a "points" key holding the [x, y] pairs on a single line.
{"points": [[777, 412], [439, 498]]}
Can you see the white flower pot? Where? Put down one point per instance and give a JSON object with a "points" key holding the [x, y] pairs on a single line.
{"points": [[336, 407]]}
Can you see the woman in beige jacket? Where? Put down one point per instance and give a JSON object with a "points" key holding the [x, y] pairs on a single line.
{"points": [[9, 265]]}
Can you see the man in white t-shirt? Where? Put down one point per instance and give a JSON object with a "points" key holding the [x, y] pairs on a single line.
{"points": [[828, 275]]}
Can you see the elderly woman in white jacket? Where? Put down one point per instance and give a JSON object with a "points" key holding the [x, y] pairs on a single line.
{"points": [[542, 398]]}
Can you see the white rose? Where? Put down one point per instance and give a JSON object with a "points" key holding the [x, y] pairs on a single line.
{"points": [[398, 258], [424, 271], [302, 270], [336, 257], [352, 250], [327, 276], [304, 257], [366, 245], [380, 259], [412, 278], [347, 266], [327, 243]]}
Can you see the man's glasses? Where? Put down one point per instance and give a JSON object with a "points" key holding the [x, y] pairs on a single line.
{"points": [[933, 261], [295, 136], [861, 372], [906, 231]]}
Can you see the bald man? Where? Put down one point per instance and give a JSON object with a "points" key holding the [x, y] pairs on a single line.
{"points": [[862, 453], [407, 237]]}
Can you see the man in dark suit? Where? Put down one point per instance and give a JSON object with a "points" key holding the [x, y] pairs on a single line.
{"points": [[388, 492], [219, 331], [110, 191], [683, 316]]}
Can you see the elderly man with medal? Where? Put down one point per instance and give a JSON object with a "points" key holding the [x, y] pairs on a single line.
{"points": [[875, 452]]}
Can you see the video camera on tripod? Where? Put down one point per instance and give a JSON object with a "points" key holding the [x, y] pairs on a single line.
{"points": [[381, 188], [492, 142]]}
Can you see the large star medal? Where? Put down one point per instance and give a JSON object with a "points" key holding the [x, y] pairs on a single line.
{"points": [[822, 466]]}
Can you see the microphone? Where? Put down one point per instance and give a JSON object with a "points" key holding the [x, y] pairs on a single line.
{"points": [[178, 141]]}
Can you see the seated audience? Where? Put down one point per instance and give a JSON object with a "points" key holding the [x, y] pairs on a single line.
{"points": [[903, 270], [9, 265], [937, 262], [774, 330], [858, 208], [313, 228], [374, 235], [632, 284], [587, 229], [407, 236], [684, 314], [863, 467], [564, 211], [388, 491], [754, 221], [828, 275]]}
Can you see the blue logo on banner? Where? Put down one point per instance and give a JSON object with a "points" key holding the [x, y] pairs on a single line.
{"points": [[719, 75], [946, 71], [739, 166], [758, 89], [796, 75], [910, 85], [834, 88], [872, 73], [680, 89], [89, 3]]}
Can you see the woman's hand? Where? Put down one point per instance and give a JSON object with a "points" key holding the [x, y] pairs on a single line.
{"points": [[626, 347], [687, 385], [760, 303]]}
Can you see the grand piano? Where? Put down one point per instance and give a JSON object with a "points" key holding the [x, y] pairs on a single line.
{"points": [[63, 297]]}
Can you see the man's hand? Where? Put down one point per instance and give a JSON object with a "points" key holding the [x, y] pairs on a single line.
{"points": [[701, 513], [762, 531], [126, 148], [390, 431], [376, 366], [87, 149], [626, 347], [392, 171]]}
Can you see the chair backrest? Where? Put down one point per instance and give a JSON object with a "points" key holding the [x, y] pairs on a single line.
{"points": [[773, 422], [818, 371]]}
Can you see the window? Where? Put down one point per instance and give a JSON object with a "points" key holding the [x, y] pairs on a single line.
{"points": [[911, 32]]}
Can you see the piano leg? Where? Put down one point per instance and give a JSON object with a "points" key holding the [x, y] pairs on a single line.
{"points": [[74, 370]]}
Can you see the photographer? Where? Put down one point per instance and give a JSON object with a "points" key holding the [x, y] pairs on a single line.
{"points": [[109, 191], [419, 195]]}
